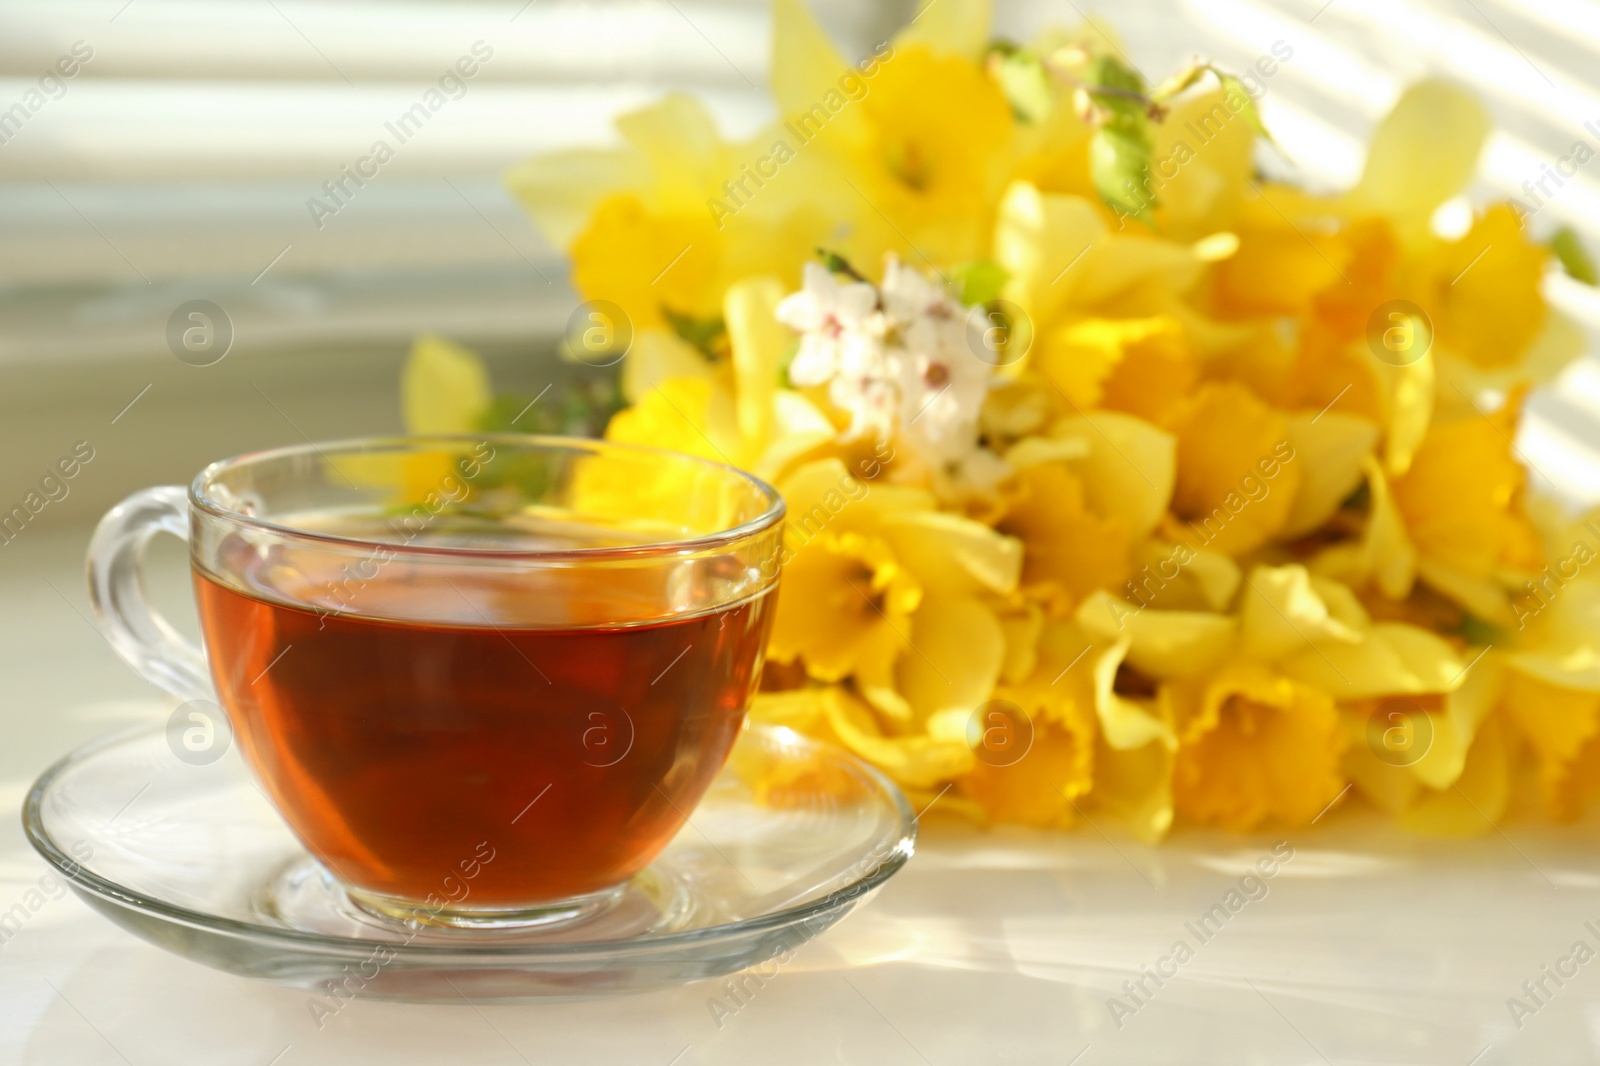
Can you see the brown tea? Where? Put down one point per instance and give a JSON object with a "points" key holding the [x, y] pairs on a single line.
{"points": [[490, 760]]}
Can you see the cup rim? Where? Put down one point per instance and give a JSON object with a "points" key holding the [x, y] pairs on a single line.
{"points": [[199, 500]]}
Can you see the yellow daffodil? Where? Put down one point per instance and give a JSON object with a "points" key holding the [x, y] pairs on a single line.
{"points": [[1042, 780], [673, 218], [1427, 736], [1135, 748], [1422, 153], [1462, 497], [1552, 689], [1254, 746], [1559, 723], [891, 592], [1063, 258], [1204, 162], [1291, 249], [829, 712], [1068, 551], [444, 389], [855, 625], [1042, 788], [734, 413], [1221, 537], [1083, 500], [940, 190], [1237, 476], [884, 128], [1489, 309], [1142, 366]]}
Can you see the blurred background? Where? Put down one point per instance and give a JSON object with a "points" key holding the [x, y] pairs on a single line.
{"points": [[176, 164]]}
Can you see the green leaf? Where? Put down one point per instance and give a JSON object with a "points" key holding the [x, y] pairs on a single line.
{"points": [[978, 281], [1574, 258], [1479, 632], [1232, 85], [1022, 77], [1119, 160], [579, 406], [1117, 89], [1180, 81], [838, 264], [702, 333], [1121, 149]]}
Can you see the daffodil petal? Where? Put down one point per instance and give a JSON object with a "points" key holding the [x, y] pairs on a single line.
{"points": [[1031, 451], [679, 139], [943, 547], [444, 388], [758, 341], [1060, 686], [1389, 787], [1022, 629], [1135, 787], [1393, 658], [1562, 641], [801, 709], [1484, 597], [1282, 613], [806, 66], [1216, 576], [1454, 730], [960, 29], [1038, 237], [1409, 395], [659, 355], [1124, 724], [1129, 469], [1423, 153], [1384, 556], [1206, 191], [917, 761], [1331, 447], [561, 189], [1161, 644], [1472, 806], [1124, 263], [691, 415], [957, 648]]}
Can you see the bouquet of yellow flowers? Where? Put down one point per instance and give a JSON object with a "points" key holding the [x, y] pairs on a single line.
{"points": [[1121, 480]]}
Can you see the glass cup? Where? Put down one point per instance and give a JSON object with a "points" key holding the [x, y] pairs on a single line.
{"points": [[484, 680]]}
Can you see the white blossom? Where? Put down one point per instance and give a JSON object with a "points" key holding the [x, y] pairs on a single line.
{"points": [[833, 320], [897, 361]]}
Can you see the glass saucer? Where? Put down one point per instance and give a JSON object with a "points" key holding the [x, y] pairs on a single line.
{"points": [[192, 858]]}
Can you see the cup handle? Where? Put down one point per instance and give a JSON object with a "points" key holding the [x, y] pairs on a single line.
{"points": [[161, 654]]}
